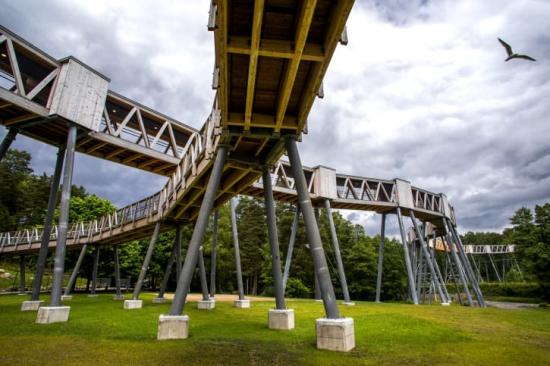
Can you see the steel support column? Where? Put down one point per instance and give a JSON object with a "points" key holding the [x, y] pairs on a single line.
{"points": [[202, 273], [94, 272], [59, 260], [273, 240], [6, 142], [312, 230], [232, 208], [45, 240], [408, 265], [117, 273], [380, 257], [336, 246], [290, 249], [22, 275], [168, 269], [76, 270], [424, 249], [213, 254], [179, 241], [146, 261], [198, 233], [468, 268], [458, 265]]}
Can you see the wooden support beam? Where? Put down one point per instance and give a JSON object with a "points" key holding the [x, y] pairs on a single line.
{"points": [[125, 121], [16, 120], [261, 147], [4, 104], [15, 68], [142, 129], [38, 88], [302, 30], [115, 153], [253, 63], [131, 158], [275, 49], [23, 103]]}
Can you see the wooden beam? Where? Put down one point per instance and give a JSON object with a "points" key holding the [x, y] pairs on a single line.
{"points": [[23, 103], [38, 88], [115, 153], [262, 145], [125, 121], [339, 16], [142, 129], [95, 147], [275, 49], [253, 63], [15, 68], [260, 120], [4, 104], [23, 118], [302, 30], [220, 36]]}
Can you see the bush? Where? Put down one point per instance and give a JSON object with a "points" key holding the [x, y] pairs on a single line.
{"points": [[296, 288], [512, 289]]}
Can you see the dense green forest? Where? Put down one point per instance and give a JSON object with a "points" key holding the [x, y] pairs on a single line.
{"points": [[24, 196]]}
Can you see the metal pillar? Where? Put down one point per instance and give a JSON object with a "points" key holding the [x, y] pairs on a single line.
{"points": [[467, 266], [45, 241], [458, 265], [76, 269], [168, 269], [316, 289], [146, 261], [6, 142], [232, 207], [499, 279], [408, 266], [117, 273], [312, 230], [380, 257], [424, 249], [213, 254], [22, 276], [179, 240], [202, 270], [198, 233], [273, 240], [290, 249], [59, 261], [336, 246], [94, 272], [438, 271]]}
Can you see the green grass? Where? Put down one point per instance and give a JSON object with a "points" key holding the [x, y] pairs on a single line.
{"points": [[100, 332]]}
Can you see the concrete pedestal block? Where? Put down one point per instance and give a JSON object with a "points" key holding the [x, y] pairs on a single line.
{"points": [[335, 334], [173, 327], [445, 304], [22, 293], [159, 300], [206, 304], [66, 297], [349, 303], [53, 314], [133, 304], [280, 319], [118, 297], [92, 295], [242, 304], [319, 300], [31, 305]]}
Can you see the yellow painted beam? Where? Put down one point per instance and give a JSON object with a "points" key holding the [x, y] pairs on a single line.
{"points": [[253, 63]]}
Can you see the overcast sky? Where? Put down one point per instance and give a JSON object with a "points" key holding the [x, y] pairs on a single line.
{"points": [[421, 92]]}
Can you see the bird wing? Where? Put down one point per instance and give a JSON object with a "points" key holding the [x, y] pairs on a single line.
{"points": [[525, 57], [507, 46]]}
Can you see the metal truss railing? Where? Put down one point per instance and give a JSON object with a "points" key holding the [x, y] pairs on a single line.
{"points": [[490, 249]]}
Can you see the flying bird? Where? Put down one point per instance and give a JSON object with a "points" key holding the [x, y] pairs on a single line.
{"points": [[511, 54]]}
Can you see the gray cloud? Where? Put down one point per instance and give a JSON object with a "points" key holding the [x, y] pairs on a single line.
{"points": [[421, 92]]}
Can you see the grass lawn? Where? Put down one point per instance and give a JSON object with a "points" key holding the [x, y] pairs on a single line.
{"points": [[100, 332]]}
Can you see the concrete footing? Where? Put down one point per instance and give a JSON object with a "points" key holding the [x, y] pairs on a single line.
{"points": [[31, 305], [53, 314], [349, 303], [206, 304], [159, 300], [280, 319], [445, 304], [173, 327], [242, 304], [92, 295], [335, 334], [66, 297], [118, 297], [319, 300], [133, 304]]}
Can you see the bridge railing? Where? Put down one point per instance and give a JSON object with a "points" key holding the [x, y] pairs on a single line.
{"points": [[426, 200], [365, 189]]}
